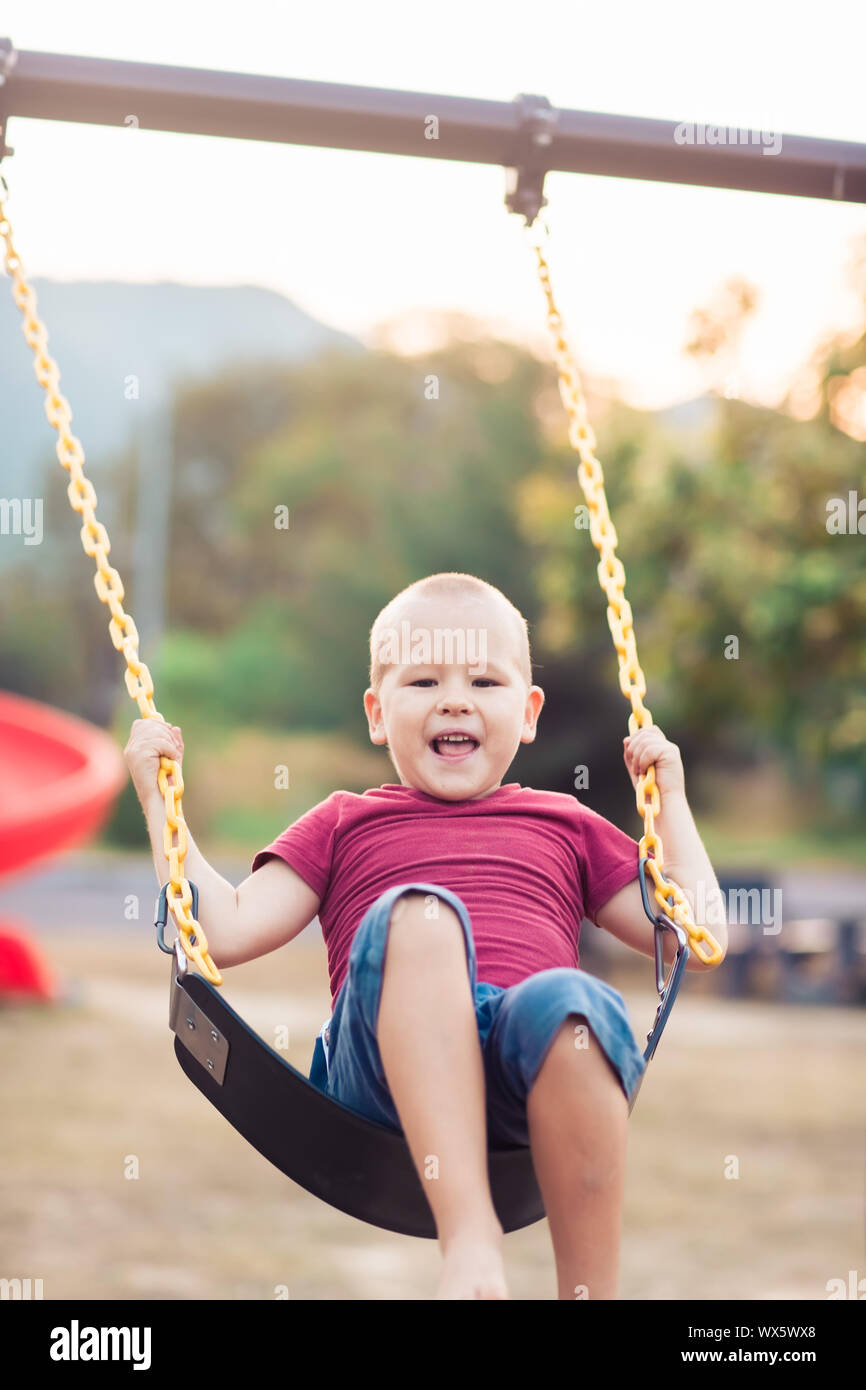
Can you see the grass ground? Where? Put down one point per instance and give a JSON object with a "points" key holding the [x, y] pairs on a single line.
{"points": [[773, 1093]]}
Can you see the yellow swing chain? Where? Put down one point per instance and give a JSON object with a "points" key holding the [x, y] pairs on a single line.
{"points": [[611, 576], [124, 634]]}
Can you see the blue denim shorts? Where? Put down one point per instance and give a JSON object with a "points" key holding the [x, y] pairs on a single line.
{"points": [[516, 1027]]}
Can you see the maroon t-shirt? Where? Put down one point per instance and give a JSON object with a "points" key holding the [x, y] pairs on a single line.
{"points": [[528, 865]]}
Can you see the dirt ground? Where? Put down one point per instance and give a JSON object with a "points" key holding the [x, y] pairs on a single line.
{"points": [[776, 1092]]}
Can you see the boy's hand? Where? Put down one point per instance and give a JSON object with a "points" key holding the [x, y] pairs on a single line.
{"points": [[150, 739], [647, 746]]}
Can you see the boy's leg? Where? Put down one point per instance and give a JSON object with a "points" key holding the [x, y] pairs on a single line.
{"points": [[431, 1053], [561, 1062], [577, 1114]]}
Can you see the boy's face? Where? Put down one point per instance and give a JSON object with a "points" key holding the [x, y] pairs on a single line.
{"points": [[452, 666]]}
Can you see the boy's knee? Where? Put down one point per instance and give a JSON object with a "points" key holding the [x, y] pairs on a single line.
{"points": [[425, 922], [417, 906]]}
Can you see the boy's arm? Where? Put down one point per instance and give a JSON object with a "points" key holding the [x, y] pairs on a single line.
{"points": [[685, 859], [269, 908]]}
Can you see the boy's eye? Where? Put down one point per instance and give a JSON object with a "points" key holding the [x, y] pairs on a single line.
{"points": [[479, 680]]}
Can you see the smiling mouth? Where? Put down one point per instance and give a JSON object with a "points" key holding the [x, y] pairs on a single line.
{"points": [[452, 750]]}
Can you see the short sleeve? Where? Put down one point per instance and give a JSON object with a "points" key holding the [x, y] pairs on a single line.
{"points": [[307, 845], [609, 860]]}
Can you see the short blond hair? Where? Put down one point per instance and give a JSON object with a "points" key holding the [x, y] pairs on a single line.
{"points": [[452, 583]]}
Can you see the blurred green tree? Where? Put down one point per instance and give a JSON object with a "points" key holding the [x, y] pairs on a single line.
{"points": [[305, 497]]}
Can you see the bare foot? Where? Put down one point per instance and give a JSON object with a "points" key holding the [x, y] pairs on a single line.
{"points": [[473, 1268]]}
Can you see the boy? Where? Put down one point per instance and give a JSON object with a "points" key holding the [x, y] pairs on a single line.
{"points": [[451, 907]]}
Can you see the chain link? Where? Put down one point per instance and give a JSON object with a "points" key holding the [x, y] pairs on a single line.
{"points": [[611, 576], [107, 581]]}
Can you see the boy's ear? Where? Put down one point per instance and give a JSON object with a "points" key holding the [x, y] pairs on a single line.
{"points": [[534, 704], [373, 711]]}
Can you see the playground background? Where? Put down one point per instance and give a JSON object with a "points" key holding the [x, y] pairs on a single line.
{"points": [[256, 638], [723, 529]]}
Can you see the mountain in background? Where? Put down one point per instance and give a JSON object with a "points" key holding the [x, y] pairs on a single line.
{"points": [[103, 333], [110, 336]]}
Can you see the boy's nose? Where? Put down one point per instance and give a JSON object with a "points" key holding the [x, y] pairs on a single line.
{"points": [[455, 700]]}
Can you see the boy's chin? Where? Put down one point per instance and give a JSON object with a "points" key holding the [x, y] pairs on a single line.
{"points": [[468, 777]]}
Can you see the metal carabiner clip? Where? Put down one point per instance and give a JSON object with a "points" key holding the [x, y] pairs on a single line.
{"points": [[161, 922], [667, 988]]}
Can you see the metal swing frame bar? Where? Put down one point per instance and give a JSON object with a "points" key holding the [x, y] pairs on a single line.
{"points": [[248, 106]]}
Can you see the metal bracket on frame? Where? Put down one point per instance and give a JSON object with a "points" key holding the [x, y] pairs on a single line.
{"points": [[8, 59], [524, 183]]}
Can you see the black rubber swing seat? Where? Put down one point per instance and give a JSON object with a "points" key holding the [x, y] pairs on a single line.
{"points": [[356, 1165]]}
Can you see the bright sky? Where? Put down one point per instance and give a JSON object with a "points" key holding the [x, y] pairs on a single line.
{"points": [[358, 239]]}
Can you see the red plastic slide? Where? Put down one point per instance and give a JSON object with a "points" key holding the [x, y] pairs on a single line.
{"points": [[59, 778]]}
